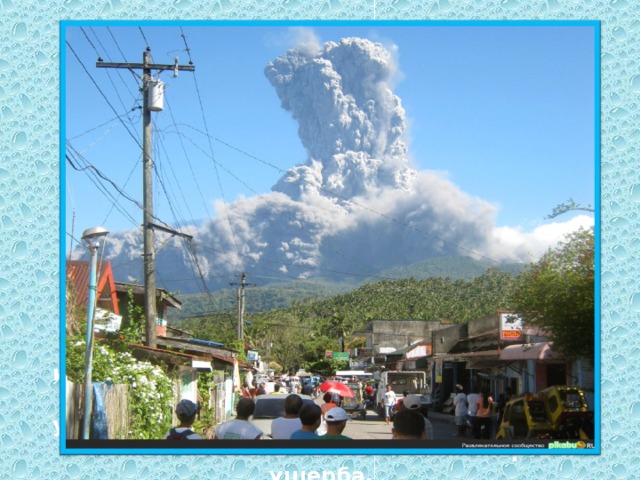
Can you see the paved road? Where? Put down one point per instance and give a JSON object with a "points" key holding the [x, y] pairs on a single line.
{"points": [[373, 427]]}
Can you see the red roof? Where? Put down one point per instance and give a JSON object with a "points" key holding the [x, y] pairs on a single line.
{"points": [[78, 275]]}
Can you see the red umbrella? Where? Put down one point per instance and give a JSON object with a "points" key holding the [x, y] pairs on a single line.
{"points": [[337, 387]]}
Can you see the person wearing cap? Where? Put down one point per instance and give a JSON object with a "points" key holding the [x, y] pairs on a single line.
{"points": [[460, 404], [398, 406], [336, 419], [186, 412], [413, 402]]}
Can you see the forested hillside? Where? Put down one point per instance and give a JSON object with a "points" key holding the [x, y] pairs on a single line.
{"points": [[257, 299], [281, 295], [309, 327]]}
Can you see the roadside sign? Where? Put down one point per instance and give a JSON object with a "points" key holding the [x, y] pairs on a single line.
{"points": [[511, 326]]}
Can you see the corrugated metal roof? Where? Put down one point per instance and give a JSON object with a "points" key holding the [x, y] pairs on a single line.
{"points": [[78, 271]]}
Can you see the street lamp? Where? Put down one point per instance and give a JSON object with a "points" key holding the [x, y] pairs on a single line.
{"points": [[91, 237]]}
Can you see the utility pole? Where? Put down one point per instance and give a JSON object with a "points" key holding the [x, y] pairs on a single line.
{"points": [[240, 296], [148, 236]]}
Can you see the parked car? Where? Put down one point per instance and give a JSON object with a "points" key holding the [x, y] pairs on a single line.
{"points": [[269, 407]]}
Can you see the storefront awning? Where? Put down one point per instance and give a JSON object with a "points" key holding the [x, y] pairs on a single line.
{"points": [[529, 351]]}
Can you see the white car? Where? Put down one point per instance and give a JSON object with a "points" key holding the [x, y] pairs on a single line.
{"points": [[269, 407]]}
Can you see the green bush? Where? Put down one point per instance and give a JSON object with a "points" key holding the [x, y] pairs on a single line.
{"points": [[150, 388]]}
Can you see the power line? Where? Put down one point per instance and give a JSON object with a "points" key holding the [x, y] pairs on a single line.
{"points": [[98, 54], [215, 164], [353, 202], [145, 38], [96, 178], [103, 95], [239, 255], [282, 211]]}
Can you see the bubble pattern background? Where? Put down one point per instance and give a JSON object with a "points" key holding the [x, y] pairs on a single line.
{"points": [[29, 243]]}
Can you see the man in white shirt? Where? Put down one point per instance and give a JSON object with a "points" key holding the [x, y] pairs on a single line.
{"points": [[460, 402], [283, 427], [389, 401], [240, 428], [472, 402]]}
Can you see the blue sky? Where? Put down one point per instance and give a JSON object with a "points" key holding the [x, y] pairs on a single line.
{"points": [[505, 111]]}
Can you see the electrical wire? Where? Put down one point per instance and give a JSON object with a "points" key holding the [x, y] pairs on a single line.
{"points": [[216, 164], [103, 94]]}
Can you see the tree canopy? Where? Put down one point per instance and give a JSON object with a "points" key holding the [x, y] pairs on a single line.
{"points": [[557, 295], [302, 333]]}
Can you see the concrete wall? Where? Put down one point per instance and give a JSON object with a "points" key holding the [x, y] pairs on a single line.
{"points": [[398, 333], [483, 325], [443, 340]]}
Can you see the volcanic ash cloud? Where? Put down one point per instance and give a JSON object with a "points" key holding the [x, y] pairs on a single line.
{"points": [[350, 122], [354, 205]]}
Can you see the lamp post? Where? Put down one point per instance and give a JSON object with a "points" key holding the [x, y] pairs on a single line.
{"points": [[91, 237]]}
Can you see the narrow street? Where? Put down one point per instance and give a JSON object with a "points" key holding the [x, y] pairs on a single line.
{"points": [[373, 427]]}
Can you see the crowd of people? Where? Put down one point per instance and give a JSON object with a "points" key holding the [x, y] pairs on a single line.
{"points": [[473, 411], [302, 421], [476, 410]]}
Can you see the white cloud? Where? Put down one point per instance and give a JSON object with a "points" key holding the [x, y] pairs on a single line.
{"points": [[513, 244]]}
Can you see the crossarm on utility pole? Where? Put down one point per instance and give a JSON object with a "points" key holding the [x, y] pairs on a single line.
{"points": [[147, 67], [142, 66]]}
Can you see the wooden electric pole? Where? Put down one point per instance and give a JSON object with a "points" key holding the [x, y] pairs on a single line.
{"points": [[147, 223]]}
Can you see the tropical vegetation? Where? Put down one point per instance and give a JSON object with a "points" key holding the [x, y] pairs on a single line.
{"points": [[557, 294], [301, 333]]}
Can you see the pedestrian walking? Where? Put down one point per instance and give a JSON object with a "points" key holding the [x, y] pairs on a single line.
{"points": [[472, 402], [460, 404], [483, 414], [240, 428], [283, 427], [186, 412], [389, 402]]}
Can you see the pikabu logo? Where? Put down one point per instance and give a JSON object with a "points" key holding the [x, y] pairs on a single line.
{"points": [[579, 444]]}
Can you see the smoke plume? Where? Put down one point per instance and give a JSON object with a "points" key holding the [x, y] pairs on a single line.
{"points": [[355, 205]]}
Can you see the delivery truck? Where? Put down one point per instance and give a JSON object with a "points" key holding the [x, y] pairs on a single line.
{"points": [[415, 382]]}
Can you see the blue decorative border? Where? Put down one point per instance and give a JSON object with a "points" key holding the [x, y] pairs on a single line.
{"points": [[335, 450], [29, 212]]}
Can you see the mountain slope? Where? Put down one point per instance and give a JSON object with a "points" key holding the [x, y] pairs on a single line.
{"points": [[282, 295]]}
